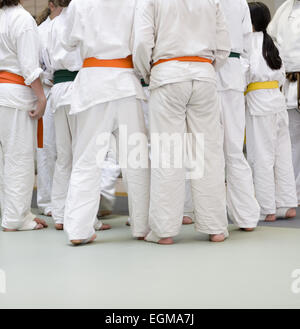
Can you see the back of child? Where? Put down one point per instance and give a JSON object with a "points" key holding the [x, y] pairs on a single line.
{"points": [[268, 139]]}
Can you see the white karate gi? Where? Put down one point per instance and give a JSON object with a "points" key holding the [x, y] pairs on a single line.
{"points": [[243, 208], [103, 99], [59, 106], [46, 156], [268, 139], [284, 29], [19, 54], [183, 98]]}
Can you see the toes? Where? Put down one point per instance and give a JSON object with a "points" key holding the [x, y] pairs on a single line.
{"points": [[248, 229], [166, 241], [217, 238], [41, 222], [291, 213], [39, 227], [270, 218], [187, 220], [105, 227]]}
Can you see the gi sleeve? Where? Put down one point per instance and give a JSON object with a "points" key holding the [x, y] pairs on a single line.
{"points": [[247, 29], [28, 52], [144, 38], [72, 32], [223, 43]]}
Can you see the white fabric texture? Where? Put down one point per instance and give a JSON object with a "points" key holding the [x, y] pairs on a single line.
{"points": [[46, 156], [109, 176], [294, 125], [19, 54], [243, 208], [83, 196], [238, 20], [188, 203], [193, 107], [161, 34], [269, 154], [17, 144], [83, 22], [284, 29]]}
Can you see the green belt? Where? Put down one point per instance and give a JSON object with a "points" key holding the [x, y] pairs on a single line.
{"points": [[64, 76], [144, 84], [234, 55]]}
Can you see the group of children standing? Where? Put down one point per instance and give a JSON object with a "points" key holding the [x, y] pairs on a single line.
{"points": [[94, 67]]}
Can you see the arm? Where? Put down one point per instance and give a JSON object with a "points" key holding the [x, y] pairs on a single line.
{"points": [[143, 39], [223, 43], [28, 55], [41, 100]]}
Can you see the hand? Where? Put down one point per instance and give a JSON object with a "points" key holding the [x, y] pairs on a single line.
{"points": [[40, 109]]}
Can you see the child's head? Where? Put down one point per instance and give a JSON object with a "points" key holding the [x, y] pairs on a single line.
{"points": [[261, 17], [54, 9], [9, 3]]}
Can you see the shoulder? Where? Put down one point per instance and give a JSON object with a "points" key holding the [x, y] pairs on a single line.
{"points": [[22, 18]]}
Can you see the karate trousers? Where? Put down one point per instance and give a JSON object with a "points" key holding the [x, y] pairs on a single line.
{"points": [[110, 174], [93, 126], [177, 108], [17, 150], [188, 203], [46, 158], [243, 208], [66, 132], [270, 157], [294, 124]]}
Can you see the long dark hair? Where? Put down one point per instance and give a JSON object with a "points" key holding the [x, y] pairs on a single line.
{"points": [[9, 3], [261, 17]]}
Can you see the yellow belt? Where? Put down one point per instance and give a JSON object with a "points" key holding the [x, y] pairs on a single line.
{"points": [[262, 85]]}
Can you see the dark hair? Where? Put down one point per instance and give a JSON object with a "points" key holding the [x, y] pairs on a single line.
{"points": [[9, 3], [261, 17]]}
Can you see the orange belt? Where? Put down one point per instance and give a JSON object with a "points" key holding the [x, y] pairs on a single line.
{"points": [[185, 59], [124, 63], [8, 77]]}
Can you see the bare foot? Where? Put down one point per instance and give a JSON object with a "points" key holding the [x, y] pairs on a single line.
{"points": [[217, 237], [187, 220], [40, 224], [59, 227], [249, 229], [105, 227], [270, 218], [166, 241], [80, 242], [291, 213]]}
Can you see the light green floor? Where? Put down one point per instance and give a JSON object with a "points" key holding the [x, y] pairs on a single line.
{"points": [[248, 270]]}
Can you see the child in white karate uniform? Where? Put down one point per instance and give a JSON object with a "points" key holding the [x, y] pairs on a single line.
{"points": [[268, 139]]}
